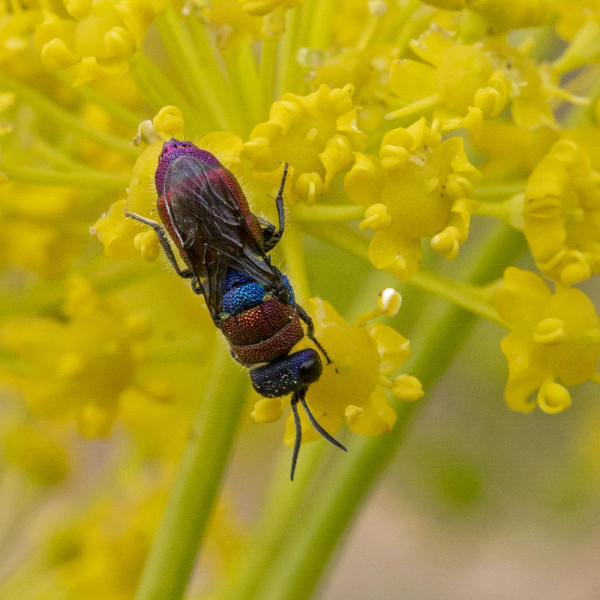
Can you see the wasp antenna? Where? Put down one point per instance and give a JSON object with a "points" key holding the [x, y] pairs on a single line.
{"points": [[312, 419], [298, 439]]}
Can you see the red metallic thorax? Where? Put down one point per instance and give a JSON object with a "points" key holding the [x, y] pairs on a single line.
{"points": [[161, 206], [217, 173], [263, 332]]}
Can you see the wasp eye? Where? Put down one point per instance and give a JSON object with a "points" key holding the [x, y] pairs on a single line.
{"points": [[310, 370]]}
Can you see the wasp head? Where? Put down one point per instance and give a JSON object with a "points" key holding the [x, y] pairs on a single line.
{"points": [[288, 374], [172, 150]]}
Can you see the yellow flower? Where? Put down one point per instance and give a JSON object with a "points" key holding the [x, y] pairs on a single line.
{"points": [[367, 70], [502, 16], [350, 389], [6, 101], [512, 14], [238, 22], [562, 214], [426, 187], [97, 38], [232, 23], [555, 336], [16, 26], [33, 235], [77, 366], [579, 23], [101, 553], [498, 141], [120, 235], [575, 14], [466, 84], [315, 134], [462, 83], [39, 455]]}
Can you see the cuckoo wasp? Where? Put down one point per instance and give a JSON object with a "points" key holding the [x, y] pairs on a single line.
{"points": [[224, 247]]}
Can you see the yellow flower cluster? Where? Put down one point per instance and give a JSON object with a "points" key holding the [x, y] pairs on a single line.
{"points": [[555, 336], [97, 37], [80, 366], [38, 455], [419, 186], [315, 134], [414, 133], [562, 214], [350, 389]]}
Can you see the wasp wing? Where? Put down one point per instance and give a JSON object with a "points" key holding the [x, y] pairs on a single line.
{"points": [[207, 218]]}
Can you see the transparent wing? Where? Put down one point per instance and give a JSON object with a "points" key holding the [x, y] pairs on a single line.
{"points": [[206, 216]]}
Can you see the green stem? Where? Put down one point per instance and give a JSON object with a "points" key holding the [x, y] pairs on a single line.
{"points": [[243, 77], [158, 89], [288, 77], [341, 236], [46, 107], [118, 111], [473, 298], [499, 190], [299, 562], [401, 30], [327, 212], [467, 296], [272, 527], [209, 94], [318, 26], [53, 155], [197, 482], [267, 71], [82, 178], [293, 252]]}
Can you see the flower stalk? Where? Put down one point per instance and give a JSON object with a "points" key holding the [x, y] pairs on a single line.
{"points": [[197, 482], [294, 569]]}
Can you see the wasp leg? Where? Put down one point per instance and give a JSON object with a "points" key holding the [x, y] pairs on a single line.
{"points": [[272, 237], [164, 242], [311, 331], [268, 230]]}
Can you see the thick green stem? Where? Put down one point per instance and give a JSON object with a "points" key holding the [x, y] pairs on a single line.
{"points": [[198, 479], [245, 84], [159, 90], [296, 566], [272, 527], [288, 76], [467, 295], [211, 96]]}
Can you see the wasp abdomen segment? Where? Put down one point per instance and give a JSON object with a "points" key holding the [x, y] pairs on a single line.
{"points": [[257, 323], [279, 344], [258, 326]]}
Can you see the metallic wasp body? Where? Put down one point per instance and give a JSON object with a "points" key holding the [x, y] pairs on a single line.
{"points": [[224, 247]]}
